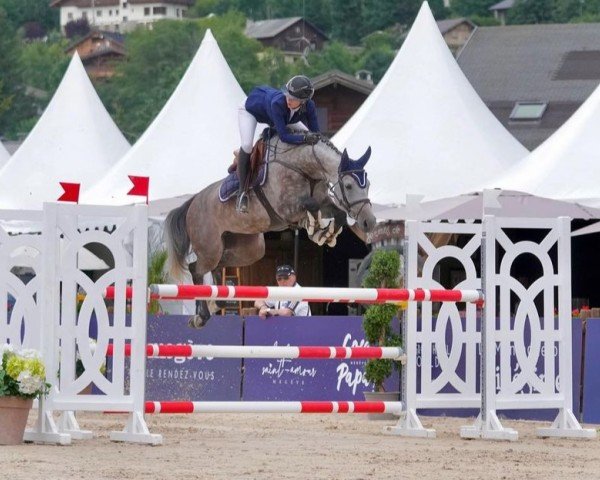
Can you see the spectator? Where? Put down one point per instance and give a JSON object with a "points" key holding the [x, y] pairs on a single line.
{"points": [[286, 277]]}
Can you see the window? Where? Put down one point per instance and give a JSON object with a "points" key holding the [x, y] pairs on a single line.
{"points": [[125, 19], [70, 16], [177, 12], [124, 4], [84, 15], [159, 10], [146, 11], [110, 13], [528, 111], [98, 13], [117, 11]]}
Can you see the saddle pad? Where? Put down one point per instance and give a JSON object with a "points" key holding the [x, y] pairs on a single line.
{"points": [[230, 184]]}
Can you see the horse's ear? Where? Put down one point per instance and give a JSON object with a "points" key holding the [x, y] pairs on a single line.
{"points": [[362, 161], [344, 162]]}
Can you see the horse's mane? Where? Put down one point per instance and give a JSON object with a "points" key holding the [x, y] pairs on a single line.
{"points": [[324, 138]]}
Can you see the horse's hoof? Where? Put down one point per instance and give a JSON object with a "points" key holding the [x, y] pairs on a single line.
{"points": [[197, 321], [221, 304]]}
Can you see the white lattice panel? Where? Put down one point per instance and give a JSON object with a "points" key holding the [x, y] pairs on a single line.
{"points": [[527, 356], [19, 248], [442, 347], [66, 224]]}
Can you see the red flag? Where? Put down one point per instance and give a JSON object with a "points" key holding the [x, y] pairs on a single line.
{"points": [[141, 186], [71, 192]]}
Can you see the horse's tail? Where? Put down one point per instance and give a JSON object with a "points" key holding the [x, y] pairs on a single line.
{"points": [[177, 240]]}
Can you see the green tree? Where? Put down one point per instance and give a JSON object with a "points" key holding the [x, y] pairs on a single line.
{"points": [[20, 12], [14, 104], [531, 11], [346, 20], [334, 56], [468, 8], [377, 61], [43, 65]]}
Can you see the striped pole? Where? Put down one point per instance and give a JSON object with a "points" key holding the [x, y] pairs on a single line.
{"points": [[274, 407], [234, 351], [312, 294]]}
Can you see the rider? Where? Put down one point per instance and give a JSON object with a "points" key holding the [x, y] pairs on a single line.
{"points": [[276, 108]]}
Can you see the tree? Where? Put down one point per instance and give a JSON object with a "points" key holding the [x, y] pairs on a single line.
{"points": [[377, 61], [43, 65], [468, 8], [14, 105], [334, 56], [77, 28], [20, 12], [346, 20], [531, 11]]}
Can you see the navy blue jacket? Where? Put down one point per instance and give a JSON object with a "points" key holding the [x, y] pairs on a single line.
{"points": [[268, 105]]}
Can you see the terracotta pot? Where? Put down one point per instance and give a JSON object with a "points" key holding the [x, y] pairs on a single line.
{"points": [[13, 419]]}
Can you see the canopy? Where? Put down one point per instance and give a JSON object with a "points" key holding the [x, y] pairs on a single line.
{"points": [[430, 132], [567, 165], [190, 143], [75, 141], [488, 202], [4, 155]]}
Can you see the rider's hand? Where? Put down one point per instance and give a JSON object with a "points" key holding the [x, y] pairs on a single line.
{"points": [[311, 138]]}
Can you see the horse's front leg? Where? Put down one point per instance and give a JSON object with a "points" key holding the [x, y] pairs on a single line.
{"points": [[323, 222]]}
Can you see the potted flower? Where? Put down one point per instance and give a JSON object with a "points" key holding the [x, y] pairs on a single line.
{"points": [[384, 272], [22, 378]]}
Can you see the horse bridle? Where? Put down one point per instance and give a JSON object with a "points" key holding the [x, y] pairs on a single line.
{"points": [[342, 202]]}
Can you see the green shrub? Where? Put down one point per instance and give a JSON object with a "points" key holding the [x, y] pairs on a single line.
{"points": [[384, 272]]}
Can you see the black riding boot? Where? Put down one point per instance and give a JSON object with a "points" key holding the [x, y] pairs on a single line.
{"points": [[243, 169]]}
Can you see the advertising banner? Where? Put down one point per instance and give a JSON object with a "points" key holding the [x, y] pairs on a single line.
{"points": [[294, 380], [194, 379], [591, 375]]}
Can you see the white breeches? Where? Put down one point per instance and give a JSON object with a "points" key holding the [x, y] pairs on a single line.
{"points": [[247, 124]]}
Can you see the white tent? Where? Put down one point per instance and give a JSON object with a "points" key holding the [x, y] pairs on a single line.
{"points": [[75, 140], [4, 155], [474, 206], [190, 143], [430, 132], [567, 165]]}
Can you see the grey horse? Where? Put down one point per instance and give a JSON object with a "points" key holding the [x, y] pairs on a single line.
{"points": [[315, 187]]}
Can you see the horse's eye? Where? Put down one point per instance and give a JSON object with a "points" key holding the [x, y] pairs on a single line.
{"points": [[348, 186]]}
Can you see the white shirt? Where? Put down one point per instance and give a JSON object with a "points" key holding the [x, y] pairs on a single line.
{"points": [[298, 308]]}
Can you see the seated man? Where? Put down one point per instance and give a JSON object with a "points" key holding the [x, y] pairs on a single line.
{"points": [[286, 277]]}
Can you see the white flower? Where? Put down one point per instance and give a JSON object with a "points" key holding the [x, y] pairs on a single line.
{"points": [[29, 353], [29, 384], [6, 348]]}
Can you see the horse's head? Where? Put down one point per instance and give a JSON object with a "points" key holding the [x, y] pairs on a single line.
{"points": [[351, 191]]}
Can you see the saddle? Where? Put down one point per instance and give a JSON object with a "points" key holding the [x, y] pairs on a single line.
{"points": [[256, 158], [258, 171]]}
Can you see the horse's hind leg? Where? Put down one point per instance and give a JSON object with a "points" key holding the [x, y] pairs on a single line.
{"points": [[207, 260]]}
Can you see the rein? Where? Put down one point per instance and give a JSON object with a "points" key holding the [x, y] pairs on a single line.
{"points": [[343, 201]]}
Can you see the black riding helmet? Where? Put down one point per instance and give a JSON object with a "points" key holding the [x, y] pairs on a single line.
{"points": [[299, 87]]}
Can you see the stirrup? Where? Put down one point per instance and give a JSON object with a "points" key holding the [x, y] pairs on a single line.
{"points": [[242, 203]]}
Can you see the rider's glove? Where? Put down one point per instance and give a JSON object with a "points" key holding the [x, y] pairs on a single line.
{"points": [[311, 138]]}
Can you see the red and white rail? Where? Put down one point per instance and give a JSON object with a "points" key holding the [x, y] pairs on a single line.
{"points": [[274, 407], [312, 294], [245, 351]]}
